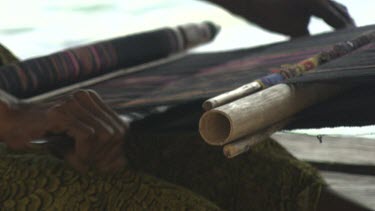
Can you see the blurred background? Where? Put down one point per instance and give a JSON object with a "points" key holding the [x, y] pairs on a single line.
{"points": [[36, 27]]}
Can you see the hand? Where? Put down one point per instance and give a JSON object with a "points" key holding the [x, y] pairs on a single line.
{"points": [[97, 131], [289, 17]]}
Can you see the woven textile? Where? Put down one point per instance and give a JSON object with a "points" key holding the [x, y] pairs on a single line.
{"points": [[201, 76], [46, 73], [41, 182], [303, 67]]}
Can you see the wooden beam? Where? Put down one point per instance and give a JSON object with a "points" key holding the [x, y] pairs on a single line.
{"points": [[344, 150]]}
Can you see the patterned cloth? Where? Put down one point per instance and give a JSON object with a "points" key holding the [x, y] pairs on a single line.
{"points": [[167, 172], [170, 168], [202, 76], [42, 74]]}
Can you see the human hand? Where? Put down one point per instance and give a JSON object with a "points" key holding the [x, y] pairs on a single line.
{"points": [[97, 131], [289, 17]]}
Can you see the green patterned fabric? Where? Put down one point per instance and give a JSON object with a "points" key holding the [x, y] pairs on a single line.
{"points": [[167, 171], [41, 182], [267, 178]]}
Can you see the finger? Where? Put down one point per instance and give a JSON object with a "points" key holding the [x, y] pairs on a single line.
{"points": [[113, 161], [83, 136], [85, 100], [61, 121], [92, 102], [105, 107], [100, 108], [103, 131], [333, 13]]}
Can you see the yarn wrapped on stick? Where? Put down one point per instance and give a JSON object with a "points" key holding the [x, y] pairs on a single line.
{"points": [[38, 75]]}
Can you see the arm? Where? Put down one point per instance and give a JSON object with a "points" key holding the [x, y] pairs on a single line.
{"points": [[97, 131], [289, 17]]}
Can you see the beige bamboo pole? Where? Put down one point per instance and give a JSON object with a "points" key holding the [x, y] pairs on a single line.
{"points": [[243, 145], [247, 115], [232, 95]]}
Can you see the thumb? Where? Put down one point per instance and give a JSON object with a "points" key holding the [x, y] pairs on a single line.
{"points": [[7, 101], [4, 107], [333, 13]]}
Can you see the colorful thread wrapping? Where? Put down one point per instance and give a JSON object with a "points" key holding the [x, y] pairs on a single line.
{"points": [[38, 75], [338, 50]]}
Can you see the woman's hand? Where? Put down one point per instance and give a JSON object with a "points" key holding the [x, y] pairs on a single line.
{"points": [[289, 17], [97, 131]]}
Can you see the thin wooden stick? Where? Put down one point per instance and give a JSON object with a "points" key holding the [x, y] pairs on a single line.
{"points": [[243, 145], [230, 96]]}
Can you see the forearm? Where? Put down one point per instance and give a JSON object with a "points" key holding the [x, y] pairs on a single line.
{"points": [[289, 17], [8, 105], [234, 6]]}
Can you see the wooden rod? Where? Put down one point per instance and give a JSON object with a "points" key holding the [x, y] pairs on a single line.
{"points": [[243, 145], [232, 95]]}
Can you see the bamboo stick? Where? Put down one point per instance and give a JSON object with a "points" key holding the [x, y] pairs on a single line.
{"points": [[243, 145], [230, 96], [247, 115]]}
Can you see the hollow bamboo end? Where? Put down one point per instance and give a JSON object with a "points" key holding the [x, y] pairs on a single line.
{"points": [[208, 105], [230, 151], [215, 127]]}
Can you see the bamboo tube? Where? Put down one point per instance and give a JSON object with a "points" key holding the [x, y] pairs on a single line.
{"points": [[247, 115]]}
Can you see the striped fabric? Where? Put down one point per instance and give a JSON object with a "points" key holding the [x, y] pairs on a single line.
{"points": [[42, 74]]}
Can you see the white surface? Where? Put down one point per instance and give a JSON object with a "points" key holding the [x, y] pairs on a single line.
{"points": [[39, 27]]}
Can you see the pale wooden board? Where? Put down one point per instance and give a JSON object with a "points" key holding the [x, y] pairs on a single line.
{"points": [[346, 150], [358, 188]]}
